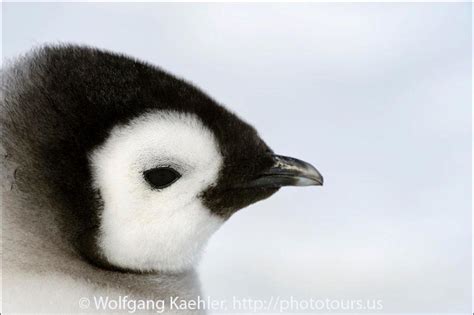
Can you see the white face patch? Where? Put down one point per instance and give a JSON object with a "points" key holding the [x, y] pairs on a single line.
{"points": [[143, 228]]}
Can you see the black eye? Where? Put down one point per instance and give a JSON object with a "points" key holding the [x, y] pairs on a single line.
{"points": [[161, 177]]}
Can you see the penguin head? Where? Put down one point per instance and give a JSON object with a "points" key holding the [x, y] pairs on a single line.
{"points": [[145, 166]]}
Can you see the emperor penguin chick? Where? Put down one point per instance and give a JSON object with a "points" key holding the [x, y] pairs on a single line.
{"points": [[115, 175]]}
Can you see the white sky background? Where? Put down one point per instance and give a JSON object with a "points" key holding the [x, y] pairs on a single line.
{"points": [[376, 96]]}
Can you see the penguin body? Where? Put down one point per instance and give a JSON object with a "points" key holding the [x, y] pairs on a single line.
{"points": [[116, 173]]}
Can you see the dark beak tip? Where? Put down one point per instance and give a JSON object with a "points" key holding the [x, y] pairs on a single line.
{"points": [[311, 181], [321, 181]]}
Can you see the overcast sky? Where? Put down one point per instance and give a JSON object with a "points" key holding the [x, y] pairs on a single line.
{"points": [[376, 96]]}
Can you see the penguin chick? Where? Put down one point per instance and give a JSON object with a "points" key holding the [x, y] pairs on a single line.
{"points": [[120, 166]]}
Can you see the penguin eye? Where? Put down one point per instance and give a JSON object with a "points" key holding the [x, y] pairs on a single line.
{"points": [[161, 177]]}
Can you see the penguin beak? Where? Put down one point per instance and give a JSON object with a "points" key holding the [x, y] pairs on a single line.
{"points": [[288, 171]]}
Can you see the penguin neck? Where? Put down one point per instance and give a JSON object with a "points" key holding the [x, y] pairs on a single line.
{"points": [[33, 244], [35, 256], [30, 238]]}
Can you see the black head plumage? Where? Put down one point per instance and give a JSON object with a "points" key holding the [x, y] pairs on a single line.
{"points": [[63, 101]]}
